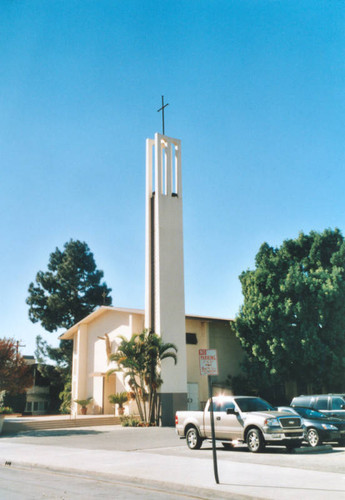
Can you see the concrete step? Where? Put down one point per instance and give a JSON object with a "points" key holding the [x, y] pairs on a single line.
{"points": [[13, 426]]}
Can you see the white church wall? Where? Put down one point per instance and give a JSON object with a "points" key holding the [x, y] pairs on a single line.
{"points": [[79, 367], [74, 374], [136, 322], [96, 391], [114, 323]]}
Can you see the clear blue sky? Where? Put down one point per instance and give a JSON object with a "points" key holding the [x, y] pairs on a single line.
{"points": [[256, 92]]}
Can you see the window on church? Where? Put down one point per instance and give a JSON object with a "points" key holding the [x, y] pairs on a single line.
{"points": [[191, 338]]}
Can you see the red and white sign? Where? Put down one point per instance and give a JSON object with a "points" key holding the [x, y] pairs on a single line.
{"points": [[208, 362]]}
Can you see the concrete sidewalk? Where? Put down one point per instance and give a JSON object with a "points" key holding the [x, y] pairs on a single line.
{"points": [[193, 476]]}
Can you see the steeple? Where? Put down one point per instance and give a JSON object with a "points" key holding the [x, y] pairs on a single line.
{"points": [[164, 279]]}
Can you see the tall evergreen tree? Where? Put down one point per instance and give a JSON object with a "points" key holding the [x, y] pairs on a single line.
{"points": [[69, 290]]}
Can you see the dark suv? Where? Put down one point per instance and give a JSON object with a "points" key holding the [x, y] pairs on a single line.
{"points": [[330, 404]]}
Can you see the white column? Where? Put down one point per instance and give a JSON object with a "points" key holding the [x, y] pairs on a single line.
{"points": [[148, 234]]}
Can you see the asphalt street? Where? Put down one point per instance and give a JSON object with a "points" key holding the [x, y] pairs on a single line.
{"points": [[17, 483], [156, 459]]}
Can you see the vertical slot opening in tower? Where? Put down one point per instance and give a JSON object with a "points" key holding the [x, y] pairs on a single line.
{"points": [[153, 171], [164, 171], [174, 170]]}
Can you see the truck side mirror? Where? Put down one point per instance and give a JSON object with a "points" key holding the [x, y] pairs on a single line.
{"points": [[231, 411]]}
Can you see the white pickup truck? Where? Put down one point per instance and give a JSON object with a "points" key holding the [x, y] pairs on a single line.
{"points": [[243, 419]]}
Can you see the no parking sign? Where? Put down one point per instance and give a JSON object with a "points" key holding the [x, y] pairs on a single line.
{"points": [[208, 362]]}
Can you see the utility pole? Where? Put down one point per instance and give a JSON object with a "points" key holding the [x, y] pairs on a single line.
{"points": [[18, 344]]}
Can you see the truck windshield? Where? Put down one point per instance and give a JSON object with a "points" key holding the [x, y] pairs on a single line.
{"points": [[253, 404]]}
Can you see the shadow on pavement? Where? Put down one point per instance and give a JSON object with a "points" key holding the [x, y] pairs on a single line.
{"points": [[280, 450]]}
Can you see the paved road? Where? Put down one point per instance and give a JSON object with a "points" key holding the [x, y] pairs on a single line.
{"points": [[156, 458], [19, 484], [110, 437]]}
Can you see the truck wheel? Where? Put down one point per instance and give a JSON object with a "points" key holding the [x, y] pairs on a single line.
{"points": [[194, 441], [255, 441], [313, 437]]}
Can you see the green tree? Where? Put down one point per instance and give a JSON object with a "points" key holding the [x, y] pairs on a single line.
{"points": [[292, 321], [69, 290], [139, 359], [15, 374]]}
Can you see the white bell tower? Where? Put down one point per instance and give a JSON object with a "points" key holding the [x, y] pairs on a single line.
{"points": [[164, 279]]}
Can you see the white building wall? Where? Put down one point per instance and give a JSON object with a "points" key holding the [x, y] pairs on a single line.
{"points": [[90, 361]]}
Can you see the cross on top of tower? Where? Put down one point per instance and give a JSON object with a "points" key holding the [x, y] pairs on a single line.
{"points": [[162, 110]]}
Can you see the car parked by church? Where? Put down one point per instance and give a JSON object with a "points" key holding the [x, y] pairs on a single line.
{"points": [[320, 427], [332, 405]]}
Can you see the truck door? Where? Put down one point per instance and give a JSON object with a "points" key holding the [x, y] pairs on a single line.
{"points": [[226, 426], [219, 414], [234, 423]]}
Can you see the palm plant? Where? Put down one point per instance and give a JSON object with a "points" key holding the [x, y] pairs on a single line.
{"points": [[83, 403], [119, 398], [139, 359], [156, 352], [130, 362]]}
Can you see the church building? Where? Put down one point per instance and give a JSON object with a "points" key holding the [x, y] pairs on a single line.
{"points": [[183, 387]]}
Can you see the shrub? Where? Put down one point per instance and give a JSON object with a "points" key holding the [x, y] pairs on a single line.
{"points": [[119, 398], [5, 410], [83, 402], [130, 421]]}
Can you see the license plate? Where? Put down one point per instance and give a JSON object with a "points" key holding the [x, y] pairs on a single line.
{"points": [[276, 436]]}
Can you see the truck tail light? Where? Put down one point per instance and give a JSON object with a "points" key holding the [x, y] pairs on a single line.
{"points": [[176, 419]]}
